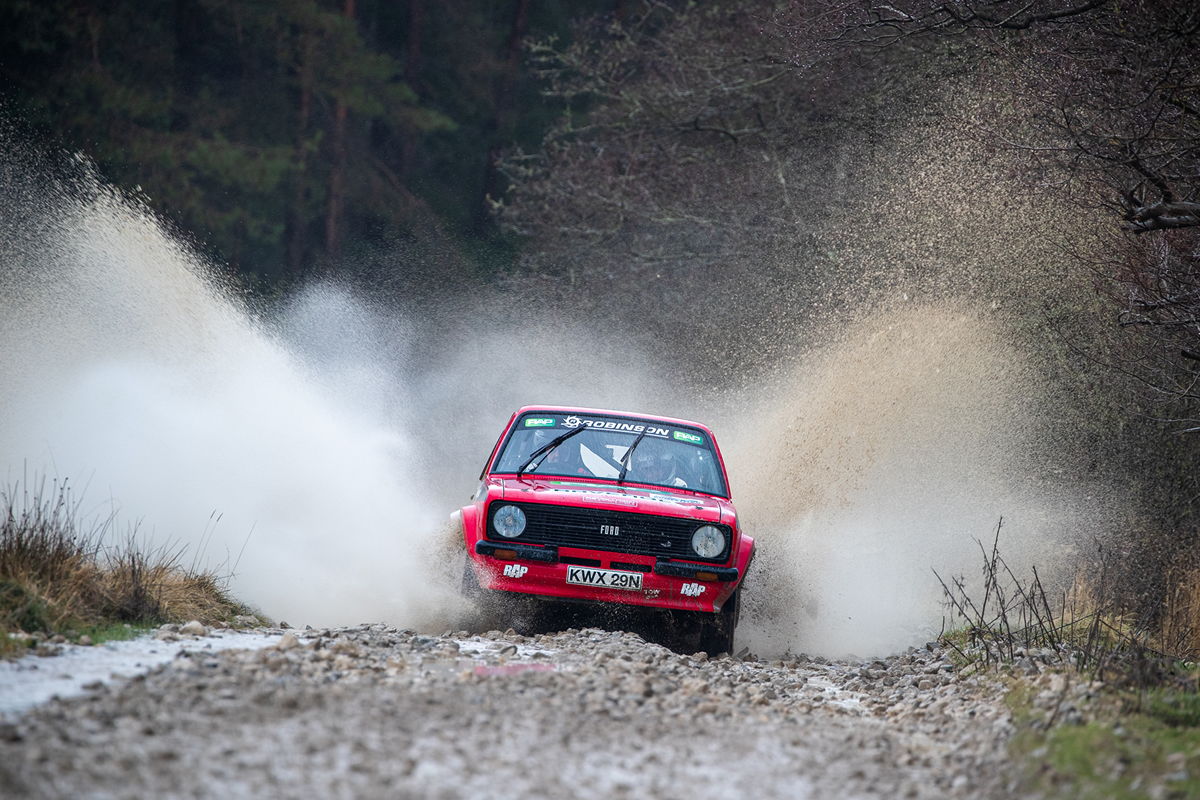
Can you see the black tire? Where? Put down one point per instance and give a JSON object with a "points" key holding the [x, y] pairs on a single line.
{"points": [[470, 583], [716, 630]]}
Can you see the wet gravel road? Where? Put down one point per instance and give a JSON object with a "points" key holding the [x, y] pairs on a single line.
{"points": [[377, 712]]}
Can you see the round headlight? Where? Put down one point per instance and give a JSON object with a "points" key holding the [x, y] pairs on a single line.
{"points": [[708, 542], [509, 522]]}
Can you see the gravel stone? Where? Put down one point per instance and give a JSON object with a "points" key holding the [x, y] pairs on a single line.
{"points": [[193, 628], [288, 642], [372, 711]]}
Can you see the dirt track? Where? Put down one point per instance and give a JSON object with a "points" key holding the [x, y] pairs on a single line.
{"points": [[376, 712]]}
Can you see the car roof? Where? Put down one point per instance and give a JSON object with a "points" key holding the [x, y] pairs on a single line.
{"points": [[603, 412]]}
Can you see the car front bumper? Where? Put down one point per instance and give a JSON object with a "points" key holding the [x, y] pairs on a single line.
{"points": [[543, 572]]}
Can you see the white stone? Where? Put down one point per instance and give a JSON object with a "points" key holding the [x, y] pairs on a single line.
{"points": [[193, 628]]}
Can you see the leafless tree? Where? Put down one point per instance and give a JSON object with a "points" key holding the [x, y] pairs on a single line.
{"points": [[1101, 103], [705, 178], [653, 110], [1101, 90], [1153, 282]]}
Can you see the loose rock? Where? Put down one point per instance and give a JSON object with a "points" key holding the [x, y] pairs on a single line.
{"points": [[288, 642], [374, 712], [193, 628]]}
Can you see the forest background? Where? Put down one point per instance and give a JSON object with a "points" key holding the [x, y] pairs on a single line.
{"points": [[282, 135], [806, 162]]}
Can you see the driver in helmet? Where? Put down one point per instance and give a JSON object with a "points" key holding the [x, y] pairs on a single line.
{"points": [[565, 460], [655, 463]]}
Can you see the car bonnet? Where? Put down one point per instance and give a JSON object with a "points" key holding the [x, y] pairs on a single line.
{"points": [[633, 499]]}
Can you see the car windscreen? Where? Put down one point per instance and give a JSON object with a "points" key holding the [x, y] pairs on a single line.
{"points": [[665, 455]]}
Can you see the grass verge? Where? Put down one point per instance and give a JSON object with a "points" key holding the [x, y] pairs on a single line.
{"points": [[1121, 746], [1104, 706], [61, 576]]}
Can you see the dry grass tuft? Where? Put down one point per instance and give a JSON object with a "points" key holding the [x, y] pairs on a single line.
{"points": [[1180, 627], [57, 572], [1085, 628]]}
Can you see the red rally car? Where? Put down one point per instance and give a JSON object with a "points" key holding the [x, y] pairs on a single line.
{"points": [[579, 504]]}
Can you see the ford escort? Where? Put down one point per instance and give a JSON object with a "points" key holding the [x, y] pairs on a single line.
{"points": [[593, 506]]}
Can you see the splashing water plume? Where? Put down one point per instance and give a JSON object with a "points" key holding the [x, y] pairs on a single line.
{"points": [[305, 434], [332, 436], [882, 459], [126, 365]]}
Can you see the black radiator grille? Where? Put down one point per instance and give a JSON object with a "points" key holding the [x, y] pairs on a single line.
{"points": [[642, 534]]}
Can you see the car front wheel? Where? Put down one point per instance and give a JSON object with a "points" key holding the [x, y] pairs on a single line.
{"points": [[716, 630]]}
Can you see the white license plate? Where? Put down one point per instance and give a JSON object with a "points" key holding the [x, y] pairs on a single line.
{"points": [[609, 579]]}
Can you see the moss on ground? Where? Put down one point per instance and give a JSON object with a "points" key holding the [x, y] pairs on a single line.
{"points": [[1124, 745]]}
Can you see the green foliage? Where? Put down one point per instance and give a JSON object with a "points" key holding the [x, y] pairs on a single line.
{"points": [[1120, 754], [224, 116], [21, 608], [1172, 707], [112, 632]]}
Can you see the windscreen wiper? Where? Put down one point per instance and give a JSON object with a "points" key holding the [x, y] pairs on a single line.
{"points": [[629, 457], [548, 447]]}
